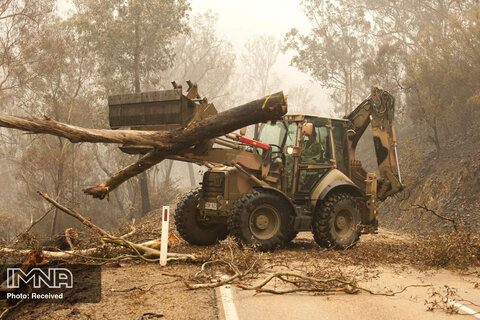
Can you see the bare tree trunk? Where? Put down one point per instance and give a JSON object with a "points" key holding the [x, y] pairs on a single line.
{"points": [[54, 223], [73, 175], [58, 187], [346, 93], [168, 170], [144, 193], [350, 92], [477, 11], [143, 178], [434, 138], [191, 174], [137, 61]]}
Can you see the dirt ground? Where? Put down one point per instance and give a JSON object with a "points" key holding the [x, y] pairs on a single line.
{"points": [[140, 290], [134, 291]]}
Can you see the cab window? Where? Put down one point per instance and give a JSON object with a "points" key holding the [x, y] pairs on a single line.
{"points": [[341, 146], [291, 140], [273, 133], [316, 148]]}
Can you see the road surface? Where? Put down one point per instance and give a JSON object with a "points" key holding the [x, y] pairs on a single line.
{"points": [[235, 303]]}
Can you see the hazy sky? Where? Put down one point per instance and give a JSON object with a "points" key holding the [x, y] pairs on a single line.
{"points": [[242, 20]]}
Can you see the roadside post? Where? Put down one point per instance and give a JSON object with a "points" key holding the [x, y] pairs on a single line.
{"points": [[164, 243]]}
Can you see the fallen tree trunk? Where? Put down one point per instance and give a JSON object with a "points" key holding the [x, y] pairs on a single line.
{"points": [[166, 142], [78, 134], [50, 254], [143, 164], [85, 253], [260, 110], [272, 107]]}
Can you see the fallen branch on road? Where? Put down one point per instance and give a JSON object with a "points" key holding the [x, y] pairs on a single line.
{"points": [[241, 263], [147, 252], [305, 283], [142, 289], [218, 283]]}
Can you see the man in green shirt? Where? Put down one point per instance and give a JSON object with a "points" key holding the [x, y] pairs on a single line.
{"points": [[312, 150]]}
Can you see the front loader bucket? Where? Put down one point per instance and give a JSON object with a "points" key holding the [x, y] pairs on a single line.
{"points": [[156, 110]]}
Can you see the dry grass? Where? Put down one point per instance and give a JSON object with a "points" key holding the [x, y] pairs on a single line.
{"points": [[453, 250]]}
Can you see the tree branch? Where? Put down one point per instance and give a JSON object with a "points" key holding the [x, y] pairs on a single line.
{"points": [[143, 252], [317, 285], [424, 207]]}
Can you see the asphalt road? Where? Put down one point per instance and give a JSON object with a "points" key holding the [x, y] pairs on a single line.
{"points": [[410, 304]]}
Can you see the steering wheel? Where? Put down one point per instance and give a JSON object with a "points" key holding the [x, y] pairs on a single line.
{"points": [[277, 153]]}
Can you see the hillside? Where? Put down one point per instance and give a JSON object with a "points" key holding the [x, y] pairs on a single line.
{"points": [[447, 183]]}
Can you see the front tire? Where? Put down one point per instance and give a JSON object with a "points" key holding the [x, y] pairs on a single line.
{"points": [[191, 227], [261, 218], [336, 221]]}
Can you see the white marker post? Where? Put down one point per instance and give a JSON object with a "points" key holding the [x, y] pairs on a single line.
{"points": [[164, 243]]}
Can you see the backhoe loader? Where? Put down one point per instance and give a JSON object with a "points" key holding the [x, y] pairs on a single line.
{"points": [[300, 174]]}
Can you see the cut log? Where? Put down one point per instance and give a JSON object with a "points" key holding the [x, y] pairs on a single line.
{"points": [[272, 107], [166, 142], [65, 255]]}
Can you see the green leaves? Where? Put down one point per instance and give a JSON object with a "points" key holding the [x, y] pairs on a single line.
{"points": [[425, 52], [335, 49], [131, 39]]}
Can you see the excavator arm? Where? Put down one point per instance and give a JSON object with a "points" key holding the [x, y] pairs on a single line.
{"points": [[378, 110]]}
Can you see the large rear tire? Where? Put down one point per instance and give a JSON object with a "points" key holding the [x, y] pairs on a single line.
{"points": [[191, 227], [261, 218], [336, 221]]}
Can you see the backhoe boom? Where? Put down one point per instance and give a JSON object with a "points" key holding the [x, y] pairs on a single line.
{"points": [[378, 110]]}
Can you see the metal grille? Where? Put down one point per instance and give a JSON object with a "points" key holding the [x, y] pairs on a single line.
{"points": [[213, 185]]}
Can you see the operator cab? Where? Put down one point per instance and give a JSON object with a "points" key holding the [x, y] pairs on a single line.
{"points": [[308, 147]]}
